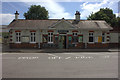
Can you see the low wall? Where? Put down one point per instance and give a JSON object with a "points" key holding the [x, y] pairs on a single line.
{"points": [[97, 45], [23, 45]]}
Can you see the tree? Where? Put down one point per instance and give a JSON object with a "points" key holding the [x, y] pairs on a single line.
{"points": [[118, 21], [104, 14], [36, 12]]}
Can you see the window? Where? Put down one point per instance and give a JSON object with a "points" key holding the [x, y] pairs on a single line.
{"points": [[18, 37], [103, 37], [70, 39], [91, 39], [75, 37], [56, 39], [32, 37], [45, 38], [75, 34], [50, 37], [80, 38]]}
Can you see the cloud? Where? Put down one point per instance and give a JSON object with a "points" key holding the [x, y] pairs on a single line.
{"points": [[116, 14], [88, 7], [55, 0], [5, 19], [55, 10]]}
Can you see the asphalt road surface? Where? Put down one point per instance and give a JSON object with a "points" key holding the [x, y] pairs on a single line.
{"points": [[60, 65]]}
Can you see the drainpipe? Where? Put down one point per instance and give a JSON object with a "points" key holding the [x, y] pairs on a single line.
{"points": [[39, 40], [85, 45], [39, 45]]}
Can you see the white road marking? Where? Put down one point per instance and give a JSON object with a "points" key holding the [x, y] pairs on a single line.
{"points": [[106, 56], [76, 57], [51, 54], [86, 57], [59, 57], [27, 58], [68, 58]]}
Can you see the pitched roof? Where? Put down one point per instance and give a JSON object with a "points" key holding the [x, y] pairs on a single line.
{"points": [[115, 29], [45, 24]]}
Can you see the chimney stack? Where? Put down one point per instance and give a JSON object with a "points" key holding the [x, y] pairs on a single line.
{"points": [[16, 15], [77, 16]]}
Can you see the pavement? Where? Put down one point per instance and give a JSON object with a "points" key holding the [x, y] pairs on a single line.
{"points": [[5, 48], [57, 65], [57, 50]]}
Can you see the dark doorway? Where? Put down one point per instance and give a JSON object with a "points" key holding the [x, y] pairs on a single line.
{"points": [[62, 41]]}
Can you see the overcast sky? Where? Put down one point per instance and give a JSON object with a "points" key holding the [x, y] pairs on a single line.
{"points": [[57, 8]]}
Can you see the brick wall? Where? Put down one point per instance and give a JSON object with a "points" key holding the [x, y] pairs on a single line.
{"points": [[114, 45], [23, 45], [98, 45], [49, 46], [76, 46]]}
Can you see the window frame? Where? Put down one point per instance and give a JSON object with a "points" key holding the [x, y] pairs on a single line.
{"points": [[18, 37], [75, 35], [50, 37], [32, 37], [91, 34], [103, 36], [80, 39]]}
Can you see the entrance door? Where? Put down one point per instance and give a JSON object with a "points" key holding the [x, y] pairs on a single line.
{"points": [[62, 41]]}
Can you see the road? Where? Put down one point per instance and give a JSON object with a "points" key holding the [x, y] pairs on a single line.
{"points": [[60, 65]]}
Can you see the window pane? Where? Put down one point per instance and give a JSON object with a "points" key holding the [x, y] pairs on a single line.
{"points": [[51, 38], [31, 39], [48, 33], [103, 33], [70, 39], [51, 33], [80, 38], [73, 34], [90, 39], [103, 39], [75, 39], [19, 39], [76, 34], [34, 39], [16, 33]]}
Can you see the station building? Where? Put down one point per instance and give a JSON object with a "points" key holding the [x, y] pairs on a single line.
{"points": [[59, 33]]}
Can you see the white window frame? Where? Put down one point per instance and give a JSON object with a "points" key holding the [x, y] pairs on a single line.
{"points": [[32, 35], [79, 39], [74, 35], [96, 39], [51, 37], [18, 37], [91, 35]]}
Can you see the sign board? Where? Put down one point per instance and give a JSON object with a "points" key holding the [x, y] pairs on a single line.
{"points": [[99, 39], [25, 39], [63, 31]]}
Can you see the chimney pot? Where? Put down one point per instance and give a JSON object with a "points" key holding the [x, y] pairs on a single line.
{"points": [[77, 15], [16, 15]]}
